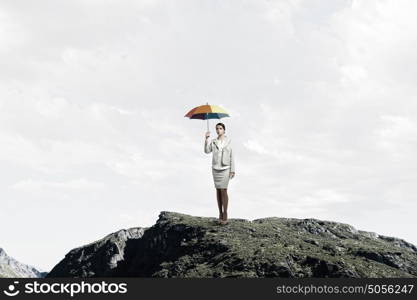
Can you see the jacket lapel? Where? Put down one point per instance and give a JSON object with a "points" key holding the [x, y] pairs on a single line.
{"points": [[226, 142], [215, 142]]}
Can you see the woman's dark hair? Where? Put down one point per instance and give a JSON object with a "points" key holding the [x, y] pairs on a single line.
{"points": [[222, 125]]}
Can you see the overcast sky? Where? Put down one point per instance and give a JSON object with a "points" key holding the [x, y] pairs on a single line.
{"points": [[321, 94]]}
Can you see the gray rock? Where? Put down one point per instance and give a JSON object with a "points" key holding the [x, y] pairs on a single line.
{"points": [[11, 268], [99, 258], [180, 245]]}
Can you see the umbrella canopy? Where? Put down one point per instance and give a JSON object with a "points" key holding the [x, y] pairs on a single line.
{"points": [[206, 112]]}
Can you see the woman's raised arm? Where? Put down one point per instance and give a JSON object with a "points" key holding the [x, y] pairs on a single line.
{"points": [[207, 144]]}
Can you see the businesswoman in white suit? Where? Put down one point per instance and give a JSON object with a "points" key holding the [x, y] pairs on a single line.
{"points": [[223, 167]]}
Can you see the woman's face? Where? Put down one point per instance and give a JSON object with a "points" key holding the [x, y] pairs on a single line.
{"points": [[219, 130]]}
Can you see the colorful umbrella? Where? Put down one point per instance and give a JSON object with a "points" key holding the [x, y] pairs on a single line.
{"points": [[206, 112]]}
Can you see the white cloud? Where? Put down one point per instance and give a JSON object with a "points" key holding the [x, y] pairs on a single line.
{"points": [[255, 146], [398, 127], [80, 183]]}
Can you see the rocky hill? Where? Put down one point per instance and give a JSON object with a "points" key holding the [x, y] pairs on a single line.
{"points": [[99, 258], [9, 267], [180, 245]]}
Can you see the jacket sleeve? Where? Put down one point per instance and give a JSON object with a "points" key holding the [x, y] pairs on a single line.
{"points": [[232, 161], [207, 146]]}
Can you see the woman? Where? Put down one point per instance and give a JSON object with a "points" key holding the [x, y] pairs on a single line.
{"points": [[223, 167]]}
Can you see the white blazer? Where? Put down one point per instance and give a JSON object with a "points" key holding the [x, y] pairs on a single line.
{"points": [[226, 157]]}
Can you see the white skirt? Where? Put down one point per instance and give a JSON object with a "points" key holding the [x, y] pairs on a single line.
{"points": [[221, 178]]}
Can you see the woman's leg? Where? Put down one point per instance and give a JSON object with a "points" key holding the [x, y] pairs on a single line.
{"points": [[219, 203], [225, 200]]}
